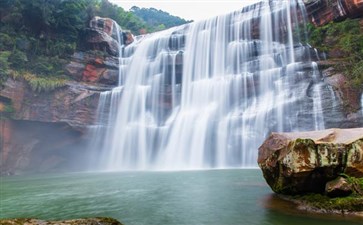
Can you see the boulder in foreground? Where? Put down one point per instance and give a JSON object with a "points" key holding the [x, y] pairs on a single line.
{"points": [[88, 221], [303, 162]]}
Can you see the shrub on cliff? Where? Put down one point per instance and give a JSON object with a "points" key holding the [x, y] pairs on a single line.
{"points": [[4, 66], [342, 41], [40, 36]]}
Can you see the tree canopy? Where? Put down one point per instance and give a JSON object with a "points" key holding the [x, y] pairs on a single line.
{"points": [[158, 19]]}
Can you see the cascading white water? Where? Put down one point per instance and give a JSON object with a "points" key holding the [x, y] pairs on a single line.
{"points": [[318, 111], [205, 95]]}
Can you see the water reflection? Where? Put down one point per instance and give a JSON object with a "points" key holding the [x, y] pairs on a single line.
{"points": [[283, 212]]}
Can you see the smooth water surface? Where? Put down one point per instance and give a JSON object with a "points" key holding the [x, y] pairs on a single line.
{"points": [[223, 197]]}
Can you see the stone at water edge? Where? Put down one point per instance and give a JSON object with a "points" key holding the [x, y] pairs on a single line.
{"points": [[338, 188], [88, 221], [302, 162]]}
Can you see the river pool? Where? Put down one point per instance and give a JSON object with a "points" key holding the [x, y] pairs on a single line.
{"points": [[223, 197]]}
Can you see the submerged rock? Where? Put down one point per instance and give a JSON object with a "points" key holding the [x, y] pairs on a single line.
{"points": [[88, 221], [297, 163]]}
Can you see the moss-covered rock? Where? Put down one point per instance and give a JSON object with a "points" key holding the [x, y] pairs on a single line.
{"points": [[323, 204], [320, 203], [339, 187], [298, 163], [88, 221]]}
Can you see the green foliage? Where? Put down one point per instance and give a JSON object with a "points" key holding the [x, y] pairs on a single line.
{"points": [[357, 184], [319, 201], [345, 37], [70, 18], [41, 84], [354, 202], [18, 59], [158, 19], [160, 27], [4, 66], [6, 110], [126, 20], [9, 109], [47, 66], [37, 37], [6, 42]]}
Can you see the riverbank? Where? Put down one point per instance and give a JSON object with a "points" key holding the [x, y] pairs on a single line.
{"points": [[88, 221], [316, 203]]}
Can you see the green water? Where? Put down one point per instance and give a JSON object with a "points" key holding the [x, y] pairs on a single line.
{"points": [[223, 197]]}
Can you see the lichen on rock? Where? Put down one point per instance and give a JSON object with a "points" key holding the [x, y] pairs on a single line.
{"points": [[298, 163]]}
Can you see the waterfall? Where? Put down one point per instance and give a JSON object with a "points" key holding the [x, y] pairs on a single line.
{"points": [[207, 94], [317, 109]]}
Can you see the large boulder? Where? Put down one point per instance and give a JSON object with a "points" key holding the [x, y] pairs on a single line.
{"points": [[106, 35], [111, 28], [101, 41], [297, 163]]}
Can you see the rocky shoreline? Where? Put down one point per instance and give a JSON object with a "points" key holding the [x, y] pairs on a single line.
{"points": [[86, 221], [310, 206]]}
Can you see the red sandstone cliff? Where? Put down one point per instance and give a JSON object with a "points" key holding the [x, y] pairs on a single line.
{"points": [[322, 12]]}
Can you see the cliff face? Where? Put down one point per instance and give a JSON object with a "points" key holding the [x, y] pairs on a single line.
{"points": [[322, 12], [44, 130], [98, 63], [339, 45], [74, 104]]}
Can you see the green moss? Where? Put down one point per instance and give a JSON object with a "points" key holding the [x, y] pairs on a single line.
{"points": [[357, 184], [351, 203], [40, 83], [322, 202]]}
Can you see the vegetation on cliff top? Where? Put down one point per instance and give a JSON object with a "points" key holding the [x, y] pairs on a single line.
{"points": [[343, 42], [38, 37], [158, 18]]}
